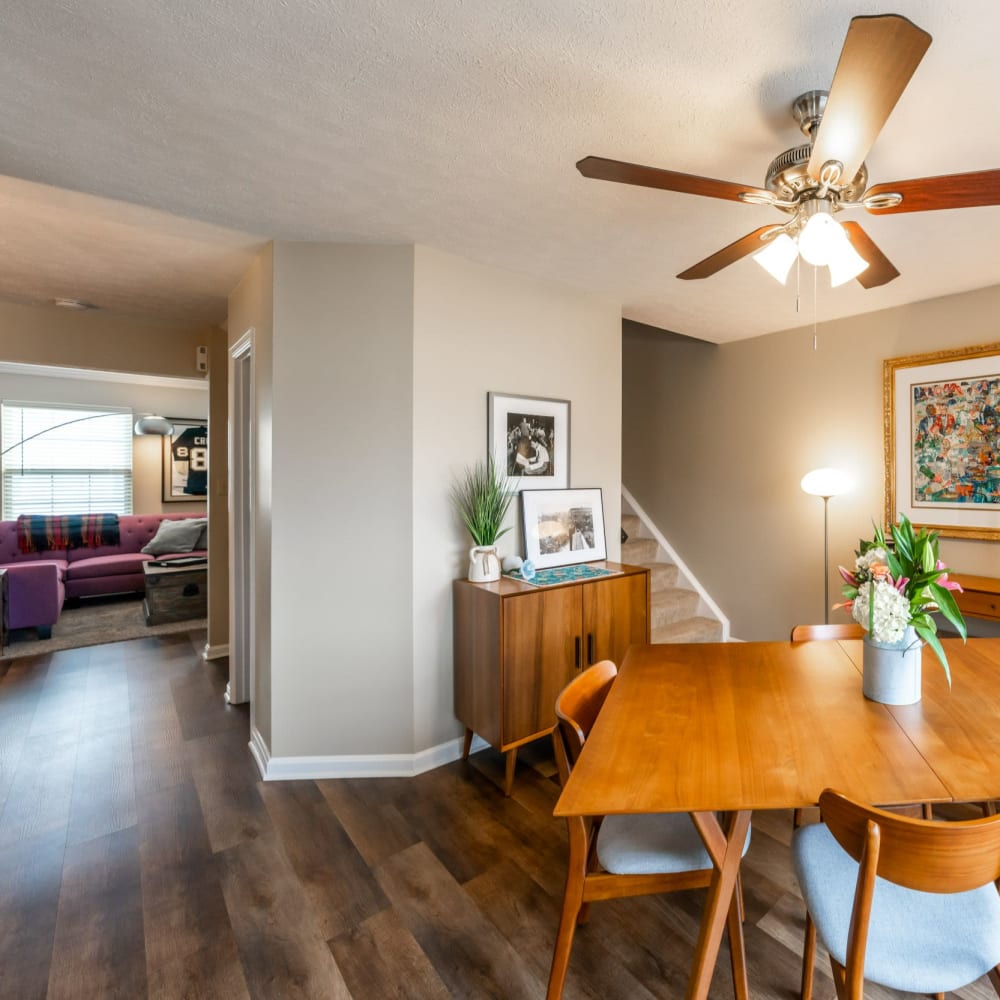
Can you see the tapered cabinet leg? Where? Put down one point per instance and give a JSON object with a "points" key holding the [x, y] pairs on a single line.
{"points": [[467, 744], [508, 778]]}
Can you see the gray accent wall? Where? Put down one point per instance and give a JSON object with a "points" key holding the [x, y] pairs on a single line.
{"points": [[717, 438]]}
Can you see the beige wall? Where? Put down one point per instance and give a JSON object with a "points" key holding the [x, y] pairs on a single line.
{"points": [[382, 359], [716, 439], [99, 340], [341, 556], [478, 329], [251, 307]]}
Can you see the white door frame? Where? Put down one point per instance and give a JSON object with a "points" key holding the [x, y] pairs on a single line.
{"points": [[242, 508]]}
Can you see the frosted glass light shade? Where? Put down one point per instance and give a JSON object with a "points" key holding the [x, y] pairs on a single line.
{"points": [[777, 257], [817, 239], [845, 262], [826, 482]]}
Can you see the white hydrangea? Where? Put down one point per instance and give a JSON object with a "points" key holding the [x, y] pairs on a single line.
{"points": [[870, 558], [892, 611]]}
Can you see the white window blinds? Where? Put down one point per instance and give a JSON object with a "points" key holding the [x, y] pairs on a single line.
{"points": [[65, 459]]}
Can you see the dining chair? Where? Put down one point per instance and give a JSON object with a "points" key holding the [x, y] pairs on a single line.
{"points": [[633, 855], [906, 903], [842, 630]]}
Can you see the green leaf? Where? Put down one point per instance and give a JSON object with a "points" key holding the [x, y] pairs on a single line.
{"points": [[929, 635], [949, 608]]}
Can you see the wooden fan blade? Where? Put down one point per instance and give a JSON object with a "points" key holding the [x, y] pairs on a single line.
{"points": [[667, 180], [748, 244], [927, 194], [880, 270], [880, 55]]}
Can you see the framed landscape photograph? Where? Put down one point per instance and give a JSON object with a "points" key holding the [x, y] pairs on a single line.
{"points": [[185, 461], [563, 527], [528, 437], [942, 440]]}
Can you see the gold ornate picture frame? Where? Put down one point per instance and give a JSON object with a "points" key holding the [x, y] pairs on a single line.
{"points": [[941, 425]]}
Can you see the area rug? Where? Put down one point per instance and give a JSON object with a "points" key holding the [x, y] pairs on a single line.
{"points": [[96, 620]]}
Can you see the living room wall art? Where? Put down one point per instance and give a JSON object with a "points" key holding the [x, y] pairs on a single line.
{"points": [[185, 461], [528, 436], [563, 527], [942, 440]]}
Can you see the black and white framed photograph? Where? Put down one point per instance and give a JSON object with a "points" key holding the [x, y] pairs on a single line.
{"points": [[185, 461], [563, 527], [529, 439]]}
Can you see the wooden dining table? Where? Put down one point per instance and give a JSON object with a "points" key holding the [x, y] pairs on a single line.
{"points": [[721, 729]]}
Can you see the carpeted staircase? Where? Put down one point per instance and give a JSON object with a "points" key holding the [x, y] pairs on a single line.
{"points": [[678, 614]]}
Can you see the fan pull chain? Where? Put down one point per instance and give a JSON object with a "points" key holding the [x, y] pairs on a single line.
{"points": [[798, 283], [815, 308]]}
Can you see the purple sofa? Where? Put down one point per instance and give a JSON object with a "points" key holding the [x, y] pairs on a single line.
{"points": [[39, 582]]}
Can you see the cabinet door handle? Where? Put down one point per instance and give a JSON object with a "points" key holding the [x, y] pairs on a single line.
{"points": [[590, 649], [576, 652]]}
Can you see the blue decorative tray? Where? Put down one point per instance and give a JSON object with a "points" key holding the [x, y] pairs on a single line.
{"points": [[562, 574]]}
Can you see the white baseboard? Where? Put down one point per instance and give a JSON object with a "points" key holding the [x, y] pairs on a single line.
{"points": [[215, 652], [259, 751], [356, 766]]}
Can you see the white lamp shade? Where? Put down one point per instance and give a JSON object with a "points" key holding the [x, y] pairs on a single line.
{"points": [[153, 424], [778, 256], [826, 482], [817, 239], [845, 262]]}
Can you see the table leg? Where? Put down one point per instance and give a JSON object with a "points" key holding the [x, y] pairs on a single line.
{"points": [[576, 874], [725, 849]]}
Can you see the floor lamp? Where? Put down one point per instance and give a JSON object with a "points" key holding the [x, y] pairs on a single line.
{"points": [[826, 483]]}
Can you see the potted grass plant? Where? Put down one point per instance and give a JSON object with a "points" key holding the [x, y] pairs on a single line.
{"points": [[482, 498]]}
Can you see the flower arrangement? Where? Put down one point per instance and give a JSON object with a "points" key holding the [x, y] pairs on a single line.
{"points": [[482, 498], [899, 585]]}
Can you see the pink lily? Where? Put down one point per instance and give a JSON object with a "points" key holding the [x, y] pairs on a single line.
{"points": [[848, 576], [943, 581], [843, 604], [901, 584]]}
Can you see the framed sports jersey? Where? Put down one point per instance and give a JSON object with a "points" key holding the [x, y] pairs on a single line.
{"points": [[185, 461]]}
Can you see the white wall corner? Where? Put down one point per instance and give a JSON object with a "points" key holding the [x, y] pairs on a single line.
{"points": [[259, 752], [357, 766]]}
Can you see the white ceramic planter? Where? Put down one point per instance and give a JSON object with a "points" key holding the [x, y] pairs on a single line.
{"points": [[891, 671], [484, 564]]}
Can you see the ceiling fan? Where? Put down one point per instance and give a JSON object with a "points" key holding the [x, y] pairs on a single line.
{"points": [[813, 182]]}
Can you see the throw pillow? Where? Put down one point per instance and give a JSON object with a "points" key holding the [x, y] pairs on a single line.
{"points": [[175, 536]]}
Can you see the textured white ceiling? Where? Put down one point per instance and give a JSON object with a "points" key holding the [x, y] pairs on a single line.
{"points": [[457, 123]]}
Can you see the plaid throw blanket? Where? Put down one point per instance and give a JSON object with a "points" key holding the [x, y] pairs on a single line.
{"points": [[43, 532]]}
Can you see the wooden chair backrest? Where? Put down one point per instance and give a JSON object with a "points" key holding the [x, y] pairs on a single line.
{"points": [[917, 853], [577, 708], [847, 630]]}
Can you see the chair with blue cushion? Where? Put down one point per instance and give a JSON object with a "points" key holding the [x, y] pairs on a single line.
{"points": [[909, 904], [632, 855]]}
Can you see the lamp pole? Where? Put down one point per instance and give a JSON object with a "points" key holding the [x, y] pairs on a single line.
{"points": [[826, 560], [825, 483]]}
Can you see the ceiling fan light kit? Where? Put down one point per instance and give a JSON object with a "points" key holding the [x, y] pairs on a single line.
{"points": [[815, 181]]}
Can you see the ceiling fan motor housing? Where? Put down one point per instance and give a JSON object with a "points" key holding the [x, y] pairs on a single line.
{"points": [[788, 175]]}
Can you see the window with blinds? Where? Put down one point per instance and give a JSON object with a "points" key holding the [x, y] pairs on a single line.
{"points": [[65, 459]]}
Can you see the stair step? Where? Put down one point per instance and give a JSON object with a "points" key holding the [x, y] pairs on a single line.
{"points": [[640, 551], [632, 525], [689, 630], [673, 605], [663, 575]]}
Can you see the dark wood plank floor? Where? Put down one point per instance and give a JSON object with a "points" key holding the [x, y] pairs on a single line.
{"points": [[141, 856]]}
